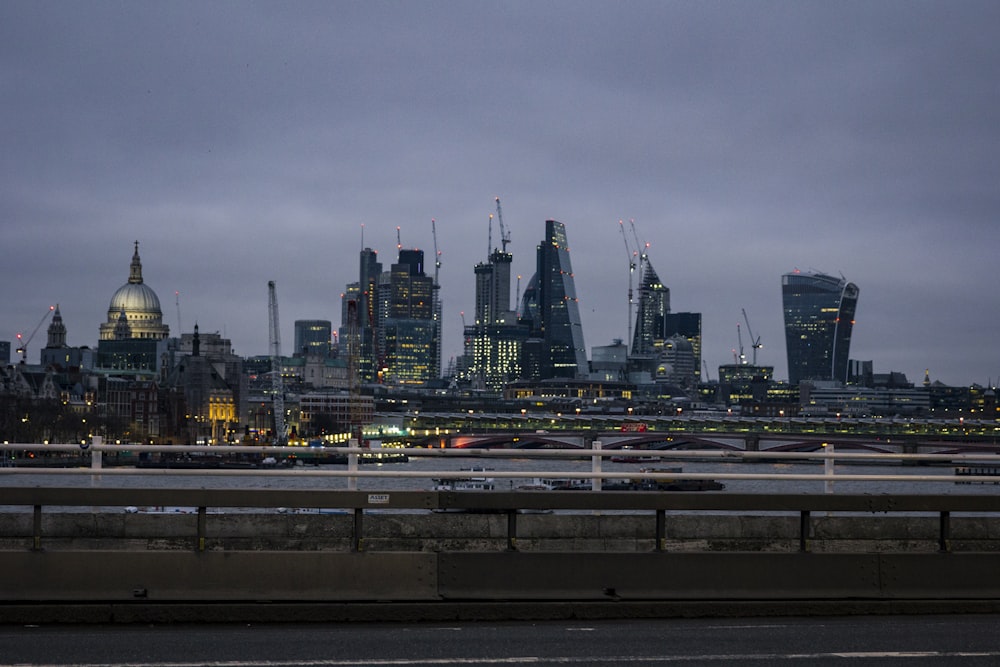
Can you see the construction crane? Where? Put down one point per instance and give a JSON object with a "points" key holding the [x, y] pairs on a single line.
{"points": [[504, 234], [22, 344], [742, 359], [631, 254], [437, 253], [277, 386], [436, 299], [399, 243], [755, 343]]}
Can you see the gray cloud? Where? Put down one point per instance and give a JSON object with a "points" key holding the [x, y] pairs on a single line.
{"points": [[246, 142]]}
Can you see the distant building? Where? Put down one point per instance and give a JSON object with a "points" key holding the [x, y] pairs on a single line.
{"points": [[819, 317], [653, 307], [407, 332], [688, 327], [133, 339], [495, 339], [552, 311], [312, 337], [58, 355]]}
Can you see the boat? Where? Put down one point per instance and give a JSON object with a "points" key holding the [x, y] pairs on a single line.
{"points": [[477, 483], [636, 458]]}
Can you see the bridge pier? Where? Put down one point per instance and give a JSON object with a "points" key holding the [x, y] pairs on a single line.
{"points": [[751, 442]]}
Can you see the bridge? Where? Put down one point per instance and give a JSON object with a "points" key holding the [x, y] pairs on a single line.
{"points": [[476, 429], [115, 553]]}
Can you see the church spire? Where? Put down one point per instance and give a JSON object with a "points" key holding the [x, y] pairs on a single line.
{"points": [[135, 271]]}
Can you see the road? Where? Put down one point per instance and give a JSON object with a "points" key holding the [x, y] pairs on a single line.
{"points": [[856, 640]]}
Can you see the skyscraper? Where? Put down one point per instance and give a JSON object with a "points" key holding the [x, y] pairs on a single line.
{"points": [[551, 303], [361, 294], [819, 317], [495, 338], [654, 304], [406, 324]]}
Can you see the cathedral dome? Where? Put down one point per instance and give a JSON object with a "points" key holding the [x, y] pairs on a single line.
{"points": [[135, 298], [140, 306]]}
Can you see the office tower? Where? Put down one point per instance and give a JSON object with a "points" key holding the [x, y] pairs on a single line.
{"points": [[494, 339], [553, 311], [654, 304], [312, 338], [688, 327], [819, 316], [365, 349], [407, 328]]}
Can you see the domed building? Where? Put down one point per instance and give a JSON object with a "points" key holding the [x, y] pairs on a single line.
{"points": [[134, 311], [134, 339]]}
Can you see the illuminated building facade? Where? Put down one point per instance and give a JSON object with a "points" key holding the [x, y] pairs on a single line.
{"points": [[819, 317]]}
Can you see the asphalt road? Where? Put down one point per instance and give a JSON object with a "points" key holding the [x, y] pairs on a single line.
{"points": [[858, 640]]}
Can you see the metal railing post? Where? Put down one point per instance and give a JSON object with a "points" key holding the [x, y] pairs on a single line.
{"points": [[595, 464], [352, 467], [804, 530]]}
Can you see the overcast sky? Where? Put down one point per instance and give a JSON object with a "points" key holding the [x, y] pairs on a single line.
{"points": [[250, 141]]}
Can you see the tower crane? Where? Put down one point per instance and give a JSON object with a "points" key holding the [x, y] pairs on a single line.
{"points": [[22, 347], [504, 234], [742, 359], [437, 253], [755, 343], [277, 386], [631, 254], [436, 298]]}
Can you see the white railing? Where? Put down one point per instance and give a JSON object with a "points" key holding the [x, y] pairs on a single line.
{"points": [[597, 455]]}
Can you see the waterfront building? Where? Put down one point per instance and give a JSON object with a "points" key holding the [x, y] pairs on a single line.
{"points": [[819, 317], [552, 311], [312, 338]]}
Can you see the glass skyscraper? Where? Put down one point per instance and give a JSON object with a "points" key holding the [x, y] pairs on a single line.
{"points": [[819, 317], [557, 322]]}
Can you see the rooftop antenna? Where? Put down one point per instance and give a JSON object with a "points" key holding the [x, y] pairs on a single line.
{"points": [[362, 236]]}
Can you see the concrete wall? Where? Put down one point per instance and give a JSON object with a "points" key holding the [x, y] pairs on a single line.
{"points": [[446, 532]]}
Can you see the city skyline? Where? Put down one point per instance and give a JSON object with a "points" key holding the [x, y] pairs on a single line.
{"points": [[745, 141]]}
